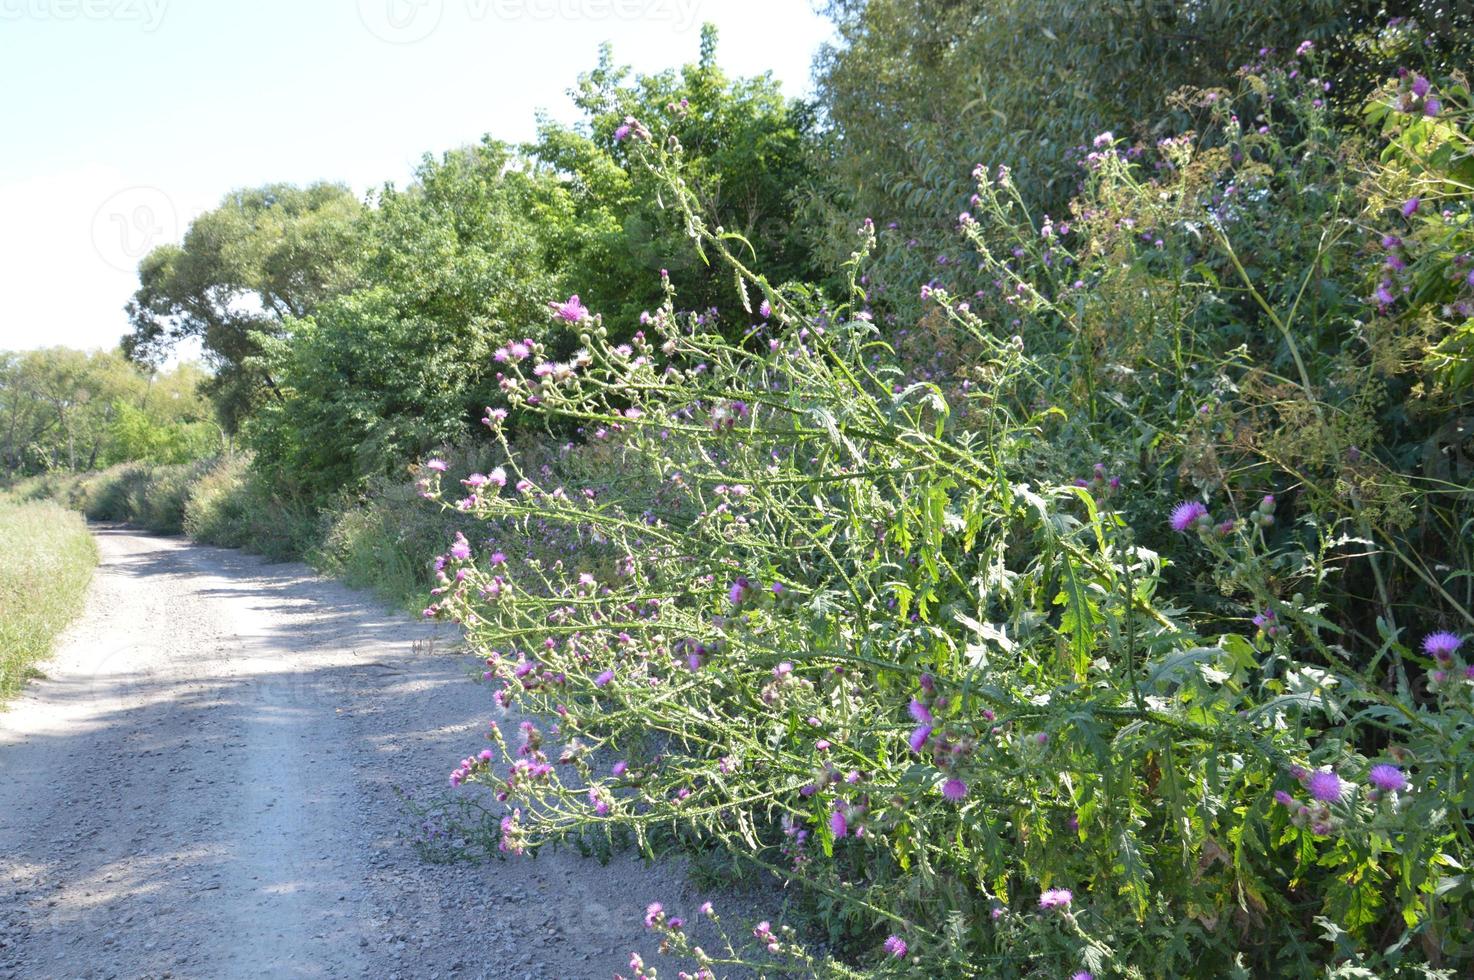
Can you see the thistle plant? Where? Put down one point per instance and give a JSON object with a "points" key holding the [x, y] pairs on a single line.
{"points": [[865, 631]]}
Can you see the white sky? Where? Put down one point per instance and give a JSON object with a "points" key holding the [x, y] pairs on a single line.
{"points": [[123, 119]]}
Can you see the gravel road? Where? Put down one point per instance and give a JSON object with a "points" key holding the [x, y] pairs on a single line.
{"points": [[204, 786]]}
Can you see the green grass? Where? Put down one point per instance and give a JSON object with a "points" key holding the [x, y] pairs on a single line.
{"points": [[46, 561]]}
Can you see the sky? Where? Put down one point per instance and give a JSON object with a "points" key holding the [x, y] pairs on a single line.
{"points": [[124, 119]]}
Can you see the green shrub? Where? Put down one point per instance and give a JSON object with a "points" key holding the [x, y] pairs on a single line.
{"points": [[383, 540], [150, 496], [219, 508], [158, 503], [231, 506], [914, 89], [380, 544], [112, 494], [46, 561]]}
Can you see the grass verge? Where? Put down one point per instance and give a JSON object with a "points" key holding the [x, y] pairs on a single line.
{"points": [[46, 561]]}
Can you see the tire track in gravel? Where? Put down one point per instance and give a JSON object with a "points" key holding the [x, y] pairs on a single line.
{"points": [[203, 786]]}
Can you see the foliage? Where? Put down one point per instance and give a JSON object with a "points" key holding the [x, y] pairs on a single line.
{"points": [[46, 561], [864, 613], [71, 409], [383, 541], [380, 543], [749, 160], [1075, 583], [468, 257], [914, 89], [263, 255], [454, 266]]}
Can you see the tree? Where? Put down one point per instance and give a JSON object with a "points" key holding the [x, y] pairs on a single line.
{"points": [[78, 410], [170, 422], [56, 405], [463, 260], [263, 255]]}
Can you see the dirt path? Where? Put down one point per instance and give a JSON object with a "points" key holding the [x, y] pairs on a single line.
{"points": [[204, 787]]}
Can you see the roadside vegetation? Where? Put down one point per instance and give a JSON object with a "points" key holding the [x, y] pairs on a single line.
{"points": [[1023, 510], [46, 561]]}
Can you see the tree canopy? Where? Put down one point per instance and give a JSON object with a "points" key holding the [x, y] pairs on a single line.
{"points": [[263, 255]]}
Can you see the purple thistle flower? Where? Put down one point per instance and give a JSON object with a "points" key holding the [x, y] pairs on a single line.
{"points": [[1410, 206], [619, 768], [764, 309], [654, 912], [919, 737], [1442, 645], [573, 310], [438, 465], [1283, 798], [954, 790], [896, 946], [461, 548], [920, 712], [1056, 898], [1432, 106], [838, 825], [1083, 975], [1387, 777], [622, 133], [603, 679], [1187, 515], [1383, 295], [1421, 86], [1325, 786]]}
